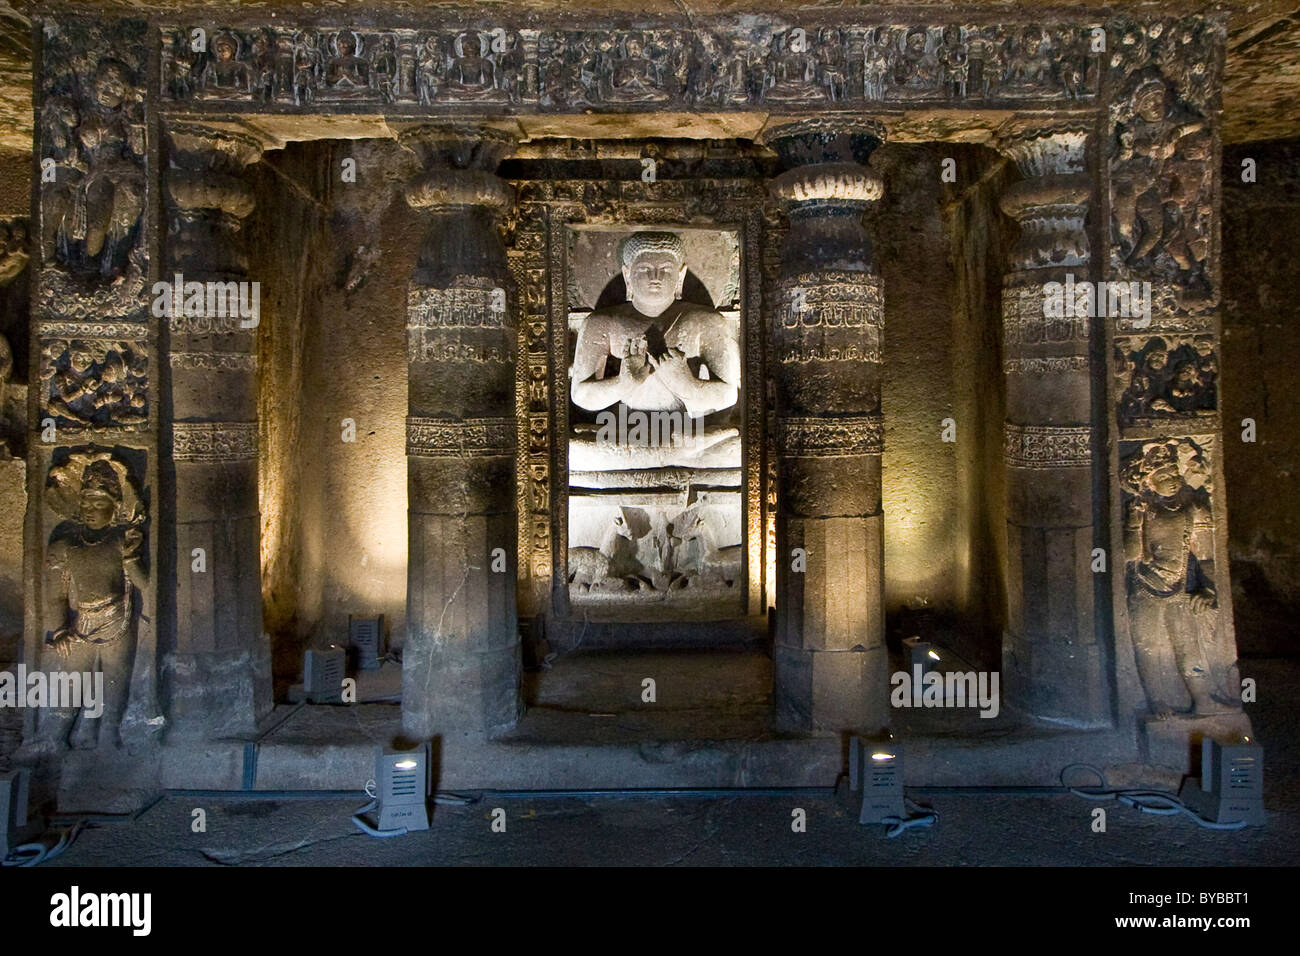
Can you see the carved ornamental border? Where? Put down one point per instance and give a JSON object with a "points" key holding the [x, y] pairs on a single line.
{"points": [[483, 65]]}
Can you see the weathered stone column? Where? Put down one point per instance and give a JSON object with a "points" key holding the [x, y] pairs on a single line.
{"points": [[1052, 662], [461, 663], [830, 662], [219, 668], [1176, 650]]}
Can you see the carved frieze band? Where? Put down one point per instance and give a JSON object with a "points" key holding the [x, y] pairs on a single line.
{"points": [[462, 324], [830, 316], [1024, 321], [465, 438], [1047, 446], [215, 361], [730, 63], [1045, 365], [214, 441], [832, 437], [206, 324], [111, 331]]}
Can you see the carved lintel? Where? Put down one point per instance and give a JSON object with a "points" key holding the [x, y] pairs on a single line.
{"points": [[720, 63], [1047, 446], [460, 439], [832, 437], [214, 441]]}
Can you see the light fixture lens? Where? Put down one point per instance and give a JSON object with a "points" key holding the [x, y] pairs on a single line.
{"points": [[406, 765], [934, 656], [881, 755]]}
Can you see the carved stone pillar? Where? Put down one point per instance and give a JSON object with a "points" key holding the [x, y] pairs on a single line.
{"points": [[461, 663], [1053, 664], [92, 533], [1177, 675], [830, 662], [219, 668]]}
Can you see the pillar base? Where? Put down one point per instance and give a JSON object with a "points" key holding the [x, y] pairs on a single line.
{"points": [[1056, 683], [218, 694], [458, 691], [830, 691]]}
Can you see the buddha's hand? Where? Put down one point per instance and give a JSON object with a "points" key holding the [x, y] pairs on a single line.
{"points": [[676, 373], [636, 361], [1202, 600]]}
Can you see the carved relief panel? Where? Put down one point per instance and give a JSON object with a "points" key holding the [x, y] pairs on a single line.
{"points": [[92, 153], [719, 64]]}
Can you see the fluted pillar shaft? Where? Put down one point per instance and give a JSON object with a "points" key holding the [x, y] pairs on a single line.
{"points": [[219, 667], [461, 664], [827, 314], [1052, 662]]}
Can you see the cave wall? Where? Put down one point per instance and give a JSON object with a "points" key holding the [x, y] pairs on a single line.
{"points": [[1261, 245], [334, 257], [15, 203]]}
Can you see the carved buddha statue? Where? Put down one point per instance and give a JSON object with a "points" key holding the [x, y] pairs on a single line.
{"points": [[471, 75], [634, 77], [657, 353], [346, 72]]}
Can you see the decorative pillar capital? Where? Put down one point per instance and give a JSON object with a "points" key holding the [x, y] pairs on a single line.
{"points": [[825, 188], [458, 162], [1051, 202], [206, 166], [823, 139]]}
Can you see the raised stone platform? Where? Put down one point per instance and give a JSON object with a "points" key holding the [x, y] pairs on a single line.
{"points": [[587, 728]]}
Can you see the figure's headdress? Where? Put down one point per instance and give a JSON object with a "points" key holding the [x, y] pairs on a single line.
{"points": [[100, 476], [639, 243]]}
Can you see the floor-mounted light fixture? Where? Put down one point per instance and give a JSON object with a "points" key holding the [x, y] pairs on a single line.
{"points": [[366, 641], [1231, 786], [15, 828], [876, 772], [920, 654], [401, 793], [323, 670]]}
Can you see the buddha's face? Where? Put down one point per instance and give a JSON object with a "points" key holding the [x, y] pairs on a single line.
{"points": [[471, 45], [97, 509], [654, 281]]}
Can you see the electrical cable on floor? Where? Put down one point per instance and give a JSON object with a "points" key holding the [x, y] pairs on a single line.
{"points": [[364, 826], [40, 851], [920, 817], [1156, 802]]}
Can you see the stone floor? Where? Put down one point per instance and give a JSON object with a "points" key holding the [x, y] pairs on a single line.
{"points": [[735, 828]]}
